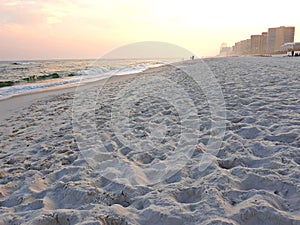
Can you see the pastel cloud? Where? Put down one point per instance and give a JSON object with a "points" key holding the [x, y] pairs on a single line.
{"points": [[33, 12]]}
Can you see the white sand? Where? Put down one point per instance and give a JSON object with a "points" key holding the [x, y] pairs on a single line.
{"points": [[56, 167]]}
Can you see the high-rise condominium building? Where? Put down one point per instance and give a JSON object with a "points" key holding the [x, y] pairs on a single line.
{"points": [[278, 36], [255, 44]]}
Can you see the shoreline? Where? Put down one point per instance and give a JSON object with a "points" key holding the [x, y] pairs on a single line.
{"points": [[15, 81], [15, 102]]}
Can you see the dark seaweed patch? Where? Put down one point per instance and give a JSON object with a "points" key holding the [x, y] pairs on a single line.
{"points": [[6, 83], [44, 77]]}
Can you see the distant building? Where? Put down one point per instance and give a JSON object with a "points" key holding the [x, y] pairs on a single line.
{"points": [[242, 47], [236, 49], [255, 44], [270, 42], [246, 47], [264, 42], [225, 50], [278, 36]]}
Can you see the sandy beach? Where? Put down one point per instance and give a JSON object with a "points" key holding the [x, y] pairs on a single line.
{"points": [[130, 150]]}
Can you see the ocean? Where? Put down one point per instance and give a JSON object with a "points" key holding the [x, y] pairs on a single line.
{"points": [[19, 77]]}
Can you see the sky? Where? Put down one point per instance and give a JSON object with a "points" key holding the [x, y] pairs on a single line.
{"points": [[55, 29]]}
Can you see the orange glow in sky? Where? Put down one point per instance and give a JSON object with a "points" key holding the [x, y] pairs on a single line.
{"points": [[43, 29]]}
